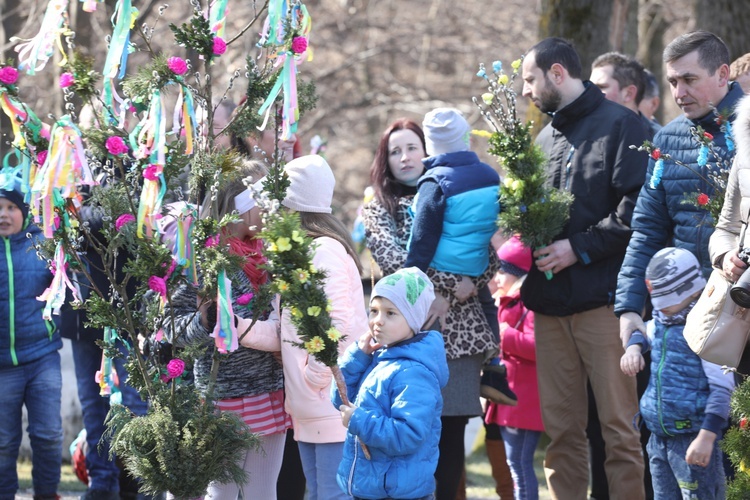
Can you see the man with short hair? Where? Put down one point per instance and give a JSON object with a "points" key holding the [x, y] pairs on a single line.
{"points": [[587, 144], [622, 79], [651, 98], [698, 73]]}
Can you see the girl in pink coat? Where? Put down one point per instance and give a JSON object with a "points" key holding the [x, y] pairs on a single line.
{"points": [[521, 425]]}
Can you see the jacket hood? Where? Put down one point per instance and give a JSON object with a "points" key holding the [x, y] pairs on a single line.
{"points": [[426, 348], [741, 127], [456, 159]]}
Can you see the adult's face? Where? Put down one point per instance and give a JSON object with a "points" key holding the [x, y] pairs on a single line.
{"points": [[538, 87], [405, 153], [601, 76], [693, 88]]}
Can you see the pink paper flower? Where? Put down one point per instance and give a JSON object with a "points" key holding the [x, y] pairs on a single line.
{"points": [[151, 172], [299, 44], [244, 299], [41, 157], [177, 65], [220, 46], [116, 146], [212, 241], [122, 220], [66, 80], [8, 75], [175, 368], [158, 285]]}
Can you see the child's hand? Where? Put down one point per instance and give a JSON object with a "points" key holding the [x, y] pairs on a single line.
{"points": [[632, 361], [466, 288], [346, 413], [367, 343], [700, 450]]}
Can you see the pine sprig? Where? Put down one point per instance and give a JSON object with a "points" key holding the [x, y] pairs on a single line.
{"points": [[529, 207], [85, 77], [197, 35]]}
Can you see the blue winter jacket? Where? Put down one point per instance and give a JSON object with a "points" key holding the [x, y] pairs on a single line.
{"points": [[455, 214], [661, 219], [397, 392], [685, 394], [24, 335]]}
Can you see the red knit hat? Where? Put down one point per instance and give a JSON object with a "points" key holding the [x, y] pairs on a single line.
{"points": [[515, 257]]}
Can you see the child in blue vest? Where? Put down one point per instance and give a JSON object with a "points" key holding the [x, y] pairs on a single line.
{"points": [[29, 359], [394, 375], [456, 207], [686, 404]]}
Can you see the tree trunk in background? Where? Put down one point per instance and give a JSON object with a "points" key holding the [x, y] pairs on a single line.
{"points": [[594, 27], [727, 19], [651, 29]]}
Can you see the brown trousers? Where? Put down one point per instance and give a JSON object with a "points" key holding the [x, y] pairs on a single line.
{"points": [[571, 349]]}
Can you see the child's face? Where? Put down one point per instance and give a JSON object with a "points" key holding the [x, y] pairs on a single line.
{"points": [[504, 281], [11, 218], [672, 310], [387, 324], [249, 226]]}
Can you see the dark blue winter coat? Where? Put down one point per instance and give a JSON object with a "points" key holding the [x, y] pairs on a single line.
{"points": [[661, 218], [397, 392], [24, 335]]}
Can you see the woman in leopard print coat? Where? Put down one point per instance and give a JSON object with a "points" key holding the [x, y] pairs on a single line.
{"points": [[466, 332]]}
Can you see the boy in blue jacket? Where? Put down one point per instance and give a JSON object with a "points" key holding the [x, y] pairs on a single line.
{"points": [[686, 403], [393, 376], [29, 359]]}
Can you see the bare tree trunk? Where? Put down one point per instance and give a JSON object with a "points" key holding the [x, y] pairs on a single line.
{"points": [[651, 29], [727, 19]]}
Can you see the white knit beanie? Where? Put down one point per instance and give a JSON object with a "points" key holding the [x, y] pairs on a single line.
{"points": [[311, 185], [411, 291], [445, 131]]}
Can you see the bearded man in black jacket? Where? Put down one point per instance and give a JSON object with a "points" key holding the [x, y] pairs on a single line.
{"points": [[577, 334]]}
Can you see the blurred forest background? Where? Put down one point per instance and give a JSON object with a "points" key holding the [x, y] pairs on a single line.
{"points": [[377, 60]]}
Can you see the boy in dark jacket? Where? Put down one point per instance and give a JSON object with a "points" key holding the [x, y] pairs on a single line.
{"points": [[686, 404], [393, 376], [29, 359]]}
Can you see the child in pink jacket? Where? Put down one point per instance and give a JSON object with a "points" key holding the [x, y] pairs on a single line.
{"points": [[521, 425]]}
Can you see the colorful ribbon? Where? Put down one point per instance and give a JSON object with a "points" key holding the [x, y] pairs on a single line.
{"points": [[54, 296], [90, 5], [64, 170], [115, 65], [184, 114], [218, 17], [225, 332], [34, 53], [106, 377]]}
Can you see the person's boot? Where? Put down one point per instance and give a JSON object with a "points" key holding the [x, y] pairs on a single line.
{"points": [[500, 470], [461, 492]]}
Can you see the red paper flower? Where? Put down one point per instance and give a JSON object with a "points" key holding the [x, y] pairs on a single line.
{"points": [[703, 199], [656, 154], [220, 46], [8, 75], [175, 368], [743, 423], [158, 285], [116, 146], [122, 220], [66, 80], [708, 136], [212, 241], [151, 172], [244, 299], [299, 44], [177, 65]]}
